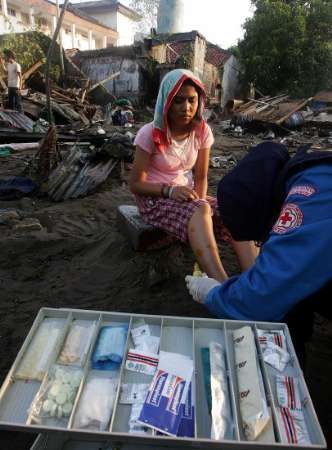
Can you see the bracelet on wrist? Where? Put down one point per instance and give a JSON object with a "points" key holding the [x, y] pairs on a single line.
{"points": [[165, 190], [170, 191]]}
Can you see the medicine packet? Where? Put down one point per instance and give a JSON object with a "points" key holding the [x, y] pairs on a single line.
{"points": [[96, 403], [187, 423], [274, 349], [253, 405], [77, 342], [110, 347], [288, 393], [142, 362], [222, 422], [162, 407], [38, 355], [293, 429], [55, 399], [134, 426], [143, 338], [133, 393]]}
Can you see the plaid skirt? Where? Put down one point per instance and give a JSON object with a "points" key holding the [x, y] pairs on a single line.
{"points": [[173, 216]]}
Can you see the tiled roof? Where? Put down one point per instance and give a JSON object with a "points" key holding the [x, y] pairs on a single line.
{"points": [[178, 42], [216, 55]]}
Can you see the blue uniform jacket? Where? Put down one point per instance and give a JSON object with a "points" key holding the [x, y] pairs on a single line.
{"points": [[295, 261]]}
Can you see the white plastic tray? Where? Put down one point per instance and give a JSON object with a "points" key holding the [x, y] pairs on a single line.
{"points": [[181, 335]]}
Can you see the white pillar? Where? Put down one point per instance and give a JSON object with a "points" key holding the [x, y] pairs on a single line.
{"points": [[54, 23], [104, 41], [31, 18], [4, 7], [90, 39], [73, 35]]}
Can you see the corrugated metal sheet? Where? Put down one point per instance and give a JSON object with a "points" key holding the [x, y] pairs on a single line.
{"points": [[15, 119]]}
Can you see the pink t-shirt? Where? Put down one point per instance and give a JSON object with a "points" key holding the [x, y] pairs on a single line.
{"points": [[174, 165]]}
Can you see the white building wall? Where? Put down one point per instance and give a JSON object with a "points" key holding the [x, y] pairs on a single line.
{"points": [[119, 22], [20, 23], [126, 29], [108, 19], [12, 24]]}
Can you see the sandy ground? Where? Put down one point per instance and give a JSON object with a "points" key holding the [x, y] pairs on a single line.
{"points": [[82, 260]]}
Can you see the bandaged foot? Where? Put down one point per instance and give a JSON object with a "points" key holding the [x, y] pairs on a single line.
{"points": [[199, 287]]}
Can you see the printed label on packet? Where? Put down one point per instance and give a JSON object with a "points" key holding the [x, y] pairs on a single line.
{"points": [[163, 406], [277, 337], [293, 429], [187, 424], [288, 393], [143, 362]]}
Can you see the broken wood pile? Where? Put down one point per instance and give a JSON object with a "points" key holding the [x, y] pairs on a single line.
{"points": [[275, 110]]}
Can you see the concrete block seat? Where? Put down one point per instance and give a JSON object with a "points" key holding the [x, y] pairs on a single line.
{"points": [[142, 236]]}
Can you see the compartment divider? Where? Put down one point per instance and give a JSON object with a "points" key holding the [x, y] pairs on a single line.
{"points": [[194, 379], [86, 370], [267, 386], [233, 386], [117, 395]]}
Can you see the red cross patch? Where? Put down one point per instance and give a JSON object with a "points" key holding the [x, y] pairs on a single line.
{"points": [[290, 217]]}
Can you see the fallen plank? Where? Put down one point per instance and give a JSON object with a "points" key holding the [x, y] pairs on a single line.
{"points": [[299, 106], [114, 75], [31, 70]]}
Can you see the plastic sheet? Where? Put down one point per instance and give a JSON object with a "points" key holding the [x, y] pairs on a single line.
{"points": [[37, 357], [77, 343], [55, 399], [96, 403], [110, 348]]}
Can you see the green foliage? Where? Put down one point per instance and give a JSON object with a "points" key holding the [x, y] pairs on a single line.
{"points": [[29, 48], [287, 46]]}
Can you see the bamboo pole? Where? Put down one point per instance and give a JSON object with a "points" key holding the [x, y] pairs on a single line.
{"points": [[48, 62]]}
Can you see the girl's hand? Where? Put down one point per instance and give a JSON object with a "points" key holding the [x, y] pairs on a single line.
{"points": [[183, 194]]}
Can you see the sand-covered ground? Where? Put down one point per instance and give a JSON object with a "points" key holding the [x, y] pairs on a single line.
{"points": [[81, 260]]}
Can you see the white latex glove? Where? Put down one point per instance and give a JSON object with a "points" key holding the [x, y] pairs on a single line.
{"points": [[199, 287]]}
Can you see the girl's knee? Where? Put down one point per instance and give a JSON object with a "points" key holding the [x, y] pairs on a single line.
{"points": [[204, 209]]}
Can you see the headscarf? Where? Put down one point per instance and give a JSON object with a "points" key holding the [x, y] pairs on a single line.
{"points": [[169, 87], [247, 194]]}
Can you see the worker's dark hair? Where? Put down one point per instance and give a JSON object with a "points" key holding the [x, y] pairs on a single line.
{"points": [[247, 198], [9, 53]]}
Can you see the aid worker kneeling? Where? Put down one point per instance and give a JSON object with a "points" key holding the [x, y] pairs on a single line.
{"points": [[286, 203]]}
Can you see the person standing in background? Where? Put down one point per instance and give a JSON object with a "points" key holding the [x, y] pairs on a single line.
{"points": [[14, 73]]}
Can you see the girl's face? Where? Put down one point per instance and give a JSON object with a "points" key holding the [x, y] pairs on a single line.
{"points": [[184, 106]]}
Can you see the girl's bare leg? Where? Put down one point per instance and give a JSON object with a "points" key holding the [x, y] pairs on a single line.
{"points": [[246, 252], [203, 243]]}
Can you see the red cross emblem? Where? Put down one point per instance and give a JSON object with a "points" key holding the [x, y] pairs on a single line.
{"points": [[290, 217], [285, 218]]}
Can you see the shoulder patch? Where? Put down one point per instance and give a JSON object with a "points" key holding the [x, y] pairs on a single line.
{"points": [[302, 189], [290, 217]]}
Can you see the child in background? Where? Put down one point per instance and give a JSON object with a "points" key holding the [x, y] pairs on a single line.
{"points": [[169, 175]]}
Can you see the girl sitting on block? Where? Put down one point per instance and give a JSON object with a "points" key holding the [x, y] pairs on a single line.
{"points": [[169, 175]]}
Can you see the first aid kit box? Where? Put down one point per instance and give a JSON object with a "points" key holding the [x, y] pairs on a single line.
{"points": [[96, 380]]}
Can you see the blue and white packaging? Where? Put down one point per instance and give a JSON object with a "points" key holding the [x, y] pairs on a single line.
{"points": [[187, 424], [163, 406]]}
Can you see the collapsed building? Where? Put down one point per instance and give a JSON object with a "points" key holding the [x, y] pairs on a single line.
{"points": [[142, 65]]}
